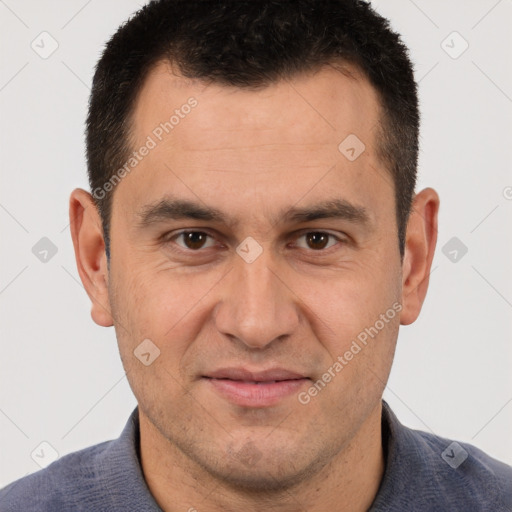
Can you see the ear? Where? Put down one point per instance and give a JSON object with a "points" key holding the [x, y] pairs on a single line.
{"points": [[91, 260], [420, 243]]}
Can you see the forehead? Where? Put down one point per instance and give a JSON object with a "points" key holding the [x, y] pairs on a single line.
{"points": [[265, 146], [319, 106]]}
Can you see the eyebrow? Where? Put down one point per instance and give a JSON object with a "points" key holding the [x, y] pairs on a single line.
{"points": [[176, 209]]}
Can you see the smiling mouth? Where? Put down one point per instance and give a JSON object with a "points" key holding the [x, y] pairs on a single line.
{"points": [[255, 393], [259, 382]]}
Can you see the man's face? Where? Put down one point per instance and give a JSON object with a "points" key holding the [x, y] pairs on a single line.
{"points": [[314, 286]]}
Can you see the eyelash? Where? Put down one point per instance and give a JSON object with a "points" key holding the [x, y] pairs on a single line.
{"points": [[170, 237]]}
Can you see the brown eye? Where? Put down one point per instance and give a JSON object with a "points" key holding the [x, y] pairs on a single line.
{"points": [[193, 240], [317, 240]]}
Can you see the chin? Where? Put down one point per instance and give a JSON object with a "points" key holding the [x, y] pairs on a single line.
{"points": [[260, 479], [252, 471]]}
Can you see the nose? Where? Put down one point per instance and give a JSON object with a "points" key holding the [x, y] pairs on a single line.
{"points": [[256, 307]]}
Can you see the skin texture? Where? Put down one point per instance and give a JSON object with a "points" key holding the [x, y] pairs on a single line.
{"points": [[253, 154]]}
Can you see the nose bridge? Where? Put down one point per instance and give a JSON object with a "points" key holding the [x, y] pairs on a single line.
{"points": [[256, 307]]}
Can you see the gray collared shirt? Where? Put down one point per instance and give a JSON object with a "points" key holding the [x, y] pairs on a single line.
{"points": [[423, 473]]}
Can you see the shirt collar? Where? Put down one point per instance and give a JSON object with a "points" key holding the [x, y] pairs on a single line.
{"points": [[120, 463]]}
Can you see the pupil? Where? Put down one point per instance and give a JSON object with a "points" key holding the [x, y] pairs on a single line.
{"points": [[316, 238], [194, 240]]}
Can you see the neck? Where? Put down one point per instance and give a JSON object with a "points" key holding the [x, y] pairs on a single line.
{"points": [[348, 482]]}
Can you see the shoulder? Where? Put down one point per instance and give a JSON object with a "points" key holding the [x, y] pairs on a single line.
{"points": [[469, 474], [68, 482], [106, 476], [458, 475], [426, 472]]}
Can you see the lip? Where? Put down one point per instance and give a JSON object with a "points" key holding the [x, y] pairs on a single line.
{"points": [[240, 373], [262, 388]]}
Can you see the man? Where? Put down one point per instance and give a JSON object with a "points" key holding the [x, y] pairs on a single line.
{"points": [[254, 236]]}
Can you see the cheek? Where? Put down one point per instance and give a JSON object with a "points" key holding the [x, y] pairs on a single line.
{"points": [[358, 321], [150, 341], [352, 300], [167, 306], [358, 326]]}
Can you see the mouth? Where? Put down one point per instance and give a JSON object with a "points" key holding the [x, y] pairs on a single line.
{"points": [[255, 388]]}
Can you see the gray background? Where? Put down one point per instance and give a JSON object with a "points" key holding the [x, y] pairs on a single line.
{"points": [[61, 380]]}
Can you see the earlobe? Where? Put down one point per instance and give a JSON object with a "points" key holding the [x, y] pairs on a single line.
{"points": [[420, 245], [91, 261]]}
